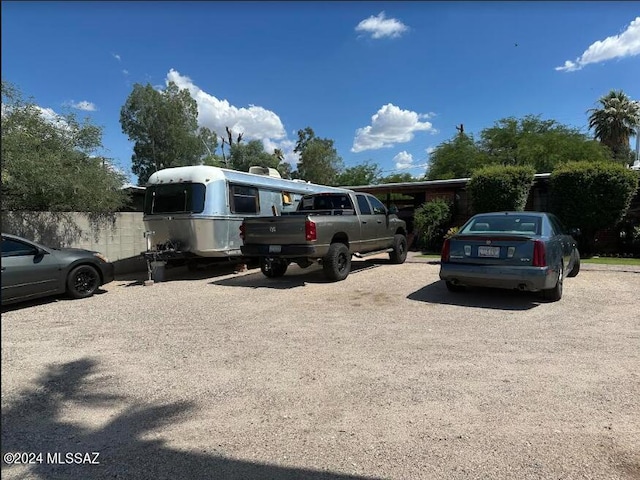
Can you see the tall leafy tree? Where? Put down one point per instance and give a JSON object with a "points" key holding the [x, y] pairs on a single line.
{"points": [[542, 144], [456, 158], [245, 155], [615, 121], [164, 127], [319, 160], [398, 178], [210, 141], [49, 163], [366, 173]]}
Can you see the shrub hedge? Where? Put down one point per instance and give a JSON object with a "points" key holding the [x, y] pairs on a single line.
{"points": [[591, 196], [499, 188]]}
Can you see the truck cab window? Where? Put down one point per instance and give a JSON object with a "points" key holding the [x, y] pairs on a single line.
{"points": [[365, 209], [378, 206]]}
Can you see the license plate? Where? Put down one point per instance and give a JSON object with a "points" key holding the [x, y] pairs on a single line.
{"points": [[492, 252], [275, 248]]}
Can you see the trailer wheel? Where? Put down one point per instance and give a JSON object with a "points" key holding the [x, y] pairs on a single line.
{"points": [[337, 262], [399, 253], [273, 268]]}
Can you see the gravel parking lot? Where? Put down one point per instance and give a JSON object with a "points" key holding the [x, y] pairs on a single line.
{"points": [[388, 375]]}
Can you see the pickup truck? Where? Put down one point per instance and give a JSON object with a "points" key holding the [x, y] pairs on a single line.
{"points": [[327, 228]]}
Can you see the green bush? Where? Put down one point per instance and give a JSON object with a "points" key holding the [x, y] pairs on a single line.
{"points": [[430, 219], [591, 196], [497, 188], [451, 232]]}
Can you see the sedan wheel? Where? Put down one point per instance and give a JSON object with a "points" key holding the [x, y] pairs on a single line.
{"points": [[554, 294], [83, 281]]}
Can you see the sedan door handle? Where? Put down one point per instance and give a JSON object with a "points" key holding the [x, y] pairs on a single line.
{"points": [[4, 268], [379, 221], [364, 221]]}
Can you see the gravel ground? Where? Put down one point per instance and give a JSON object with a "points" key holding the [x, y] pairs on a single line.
{"points": [[388, 375]]}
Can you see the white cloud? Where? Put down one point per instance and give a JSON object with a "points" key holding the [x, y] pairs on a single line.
{"points": [[116, 56], [403, 160], [256, 123], [380, 27], [84, 105], [49, 115], [125, 72], [627, 44], [389, 126], [430, 150]]}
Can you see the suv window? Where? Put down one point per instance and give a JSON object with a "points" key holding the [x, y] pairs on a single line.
{"points": [[365, 209]]}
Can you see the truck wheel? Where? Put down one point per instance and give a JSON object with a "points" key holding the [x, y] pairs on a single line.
{"points": [[399, 254], [273, 268], [337, 262]]}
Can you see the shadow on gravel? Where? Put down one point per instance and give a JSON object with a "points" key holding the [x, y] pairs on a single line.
{"points": [[35, 423], [493, 298], [45, 301], [295, 277]]}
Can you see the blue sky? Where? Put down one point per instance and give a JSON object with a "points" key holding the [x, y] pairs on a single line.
{"points": [[387, 81]]}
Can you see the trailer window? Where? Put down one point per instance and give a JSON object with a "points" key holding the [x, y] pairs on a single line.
{"points": [[174, 198], [244, 199]]}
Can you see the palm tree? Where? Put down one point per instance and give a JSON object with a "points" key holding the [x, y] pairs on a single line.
{"points": [[615, 122]]}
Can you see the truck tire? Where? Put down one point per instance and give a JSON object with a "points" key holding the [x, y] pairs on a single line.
{"points": [[337, 262], [273, 268], [399, 254]]}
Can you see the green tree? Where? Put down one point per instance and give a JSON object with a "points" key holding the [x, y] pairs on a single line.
{"points": [[591, 196], [456, 158], [245, 155], [498, 188], [209, 139], [543, 144], [49, 164], [366, 173], [615, 122], [398, 178], [164, 128], [319, 160]]}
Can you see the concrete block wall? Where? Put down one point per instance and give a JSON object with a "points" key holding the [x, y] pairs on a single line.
{"points": [[119, 237]]}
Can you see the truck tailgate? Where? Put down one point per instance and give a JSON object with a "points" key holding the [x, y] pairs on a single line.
{"points": [[287, 230]]}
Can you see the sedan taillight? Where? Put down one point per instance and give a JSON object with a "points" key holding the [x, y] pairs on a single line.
{"points": [[539, 254], [444, 254]]}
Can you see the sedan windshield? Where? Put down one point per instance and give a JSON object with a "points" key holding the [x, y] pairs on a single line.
{"points": [[525, 224]]}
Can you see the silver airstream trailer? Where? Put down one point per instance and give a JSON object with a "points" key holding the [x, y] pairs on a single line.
{"points": [[193, 214]]}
